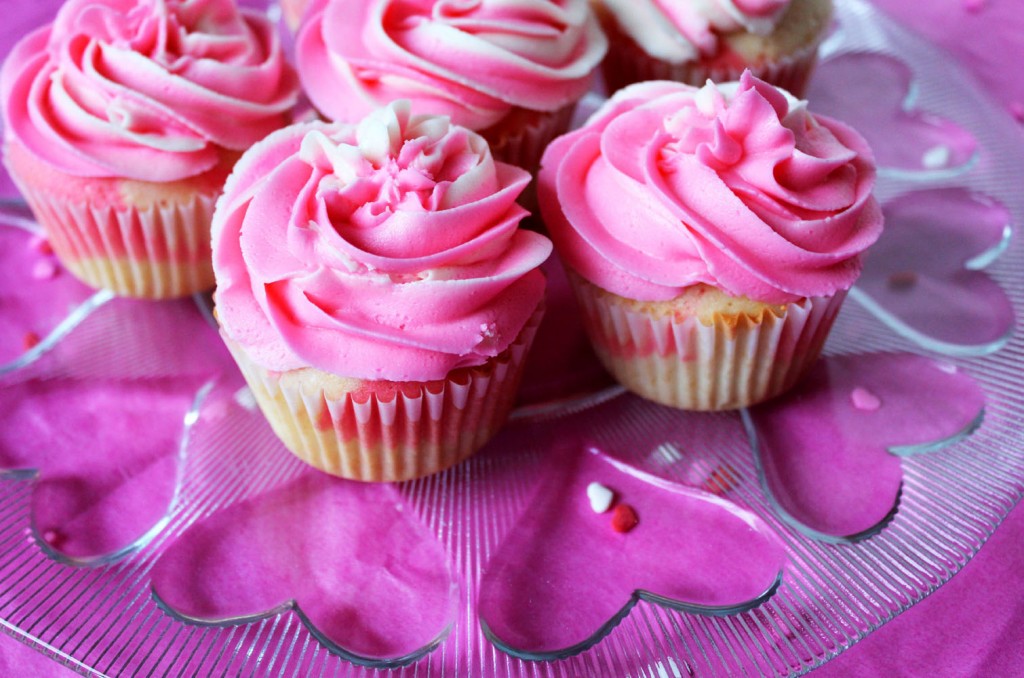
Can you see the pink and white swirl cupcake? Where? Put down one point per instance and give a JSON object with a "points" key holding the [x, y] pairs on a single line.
{"points": [[711, 235], [376, 291], [512, 71], [122, 120], [692, 41]]}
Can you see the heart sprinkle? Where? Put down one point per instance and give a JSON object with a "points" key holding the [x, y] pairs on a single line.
{"points": [[44, 270], [30, 341], [600, 497], [624, 518], [864, 399], [936, 157], [53, 538]]}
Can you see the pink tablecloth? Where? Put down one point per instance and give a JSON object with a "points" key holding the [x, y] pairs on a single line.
{"points": [[974, 625]]}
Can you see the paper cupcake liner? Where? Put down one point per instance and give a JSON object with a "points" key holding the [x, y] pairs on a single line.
{"points": [[388, 431], [628, 63], [521, 140], [157, 252], [684, 363]]}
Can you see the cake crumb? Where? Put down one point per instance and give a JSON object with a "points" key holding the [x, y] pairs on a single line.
{"points": [[902, 280], [624, 518], [44, 270], [600, 497], [864, 399], [936, 157], [244, 397]]}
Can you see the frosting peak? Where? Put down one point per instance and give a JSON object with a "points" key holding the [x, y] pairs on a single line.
{"points": [[146, 89], [472, 60], [735, 185], [383, 250]]}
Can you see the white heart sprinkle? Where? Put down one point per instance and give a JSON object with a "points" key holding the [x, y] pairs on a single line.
{"points": [[600, 497]]}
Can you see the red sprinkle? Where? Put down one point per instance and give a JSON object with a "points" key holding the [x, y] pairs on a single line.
{"points": [[40, 244], [624, 518], [30, 341]]}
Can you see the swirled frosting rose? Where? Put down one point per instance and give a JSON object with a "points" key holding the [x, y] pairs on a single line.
{"points": [[682, 31], [146, 89], [388, 250], [472, 60], [736, 186]]}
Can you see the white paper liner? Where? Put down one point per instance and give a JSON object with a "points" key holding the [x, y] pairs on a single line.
{"points": [[157, 252], [684, 363], [628, 63], [423, 429]]}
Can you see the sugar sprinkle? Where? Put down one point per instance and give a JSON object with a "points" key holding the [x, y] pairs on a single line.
{"points": [[600, 497], [865, 400], [44, 270], [936, 157], [624, 518]]}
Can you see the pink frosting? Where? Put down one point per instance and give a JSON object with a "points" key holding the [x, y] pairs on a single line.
{"points": [[472, 60], [735, 186], [384, 251], [146, 89]]}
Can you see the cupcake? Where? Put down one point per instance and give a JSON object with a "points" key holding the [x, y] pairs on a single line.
{"points": [[122, 120], [710, 234], [691, 42], [510, 70], [292, 11], [376, 291]]}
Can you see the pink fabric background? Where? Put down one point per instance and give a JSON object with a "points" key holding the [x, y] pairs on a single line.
{"points": [[972, 626]]}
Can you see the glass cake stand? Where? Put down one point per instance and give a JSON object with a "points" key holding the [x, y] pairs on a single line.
{"points": [[86, 541]]}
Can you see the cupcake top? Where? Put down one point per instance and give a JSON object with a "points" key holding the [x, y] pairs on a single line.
{"points": [[678, 31], [472, 60], [388, 250], [151, 90], [736, 186]]}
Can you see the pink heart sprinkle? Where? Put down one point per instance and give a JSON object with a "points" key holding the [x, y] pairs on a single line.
{"points": [[864, 399], [44, 270]]}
